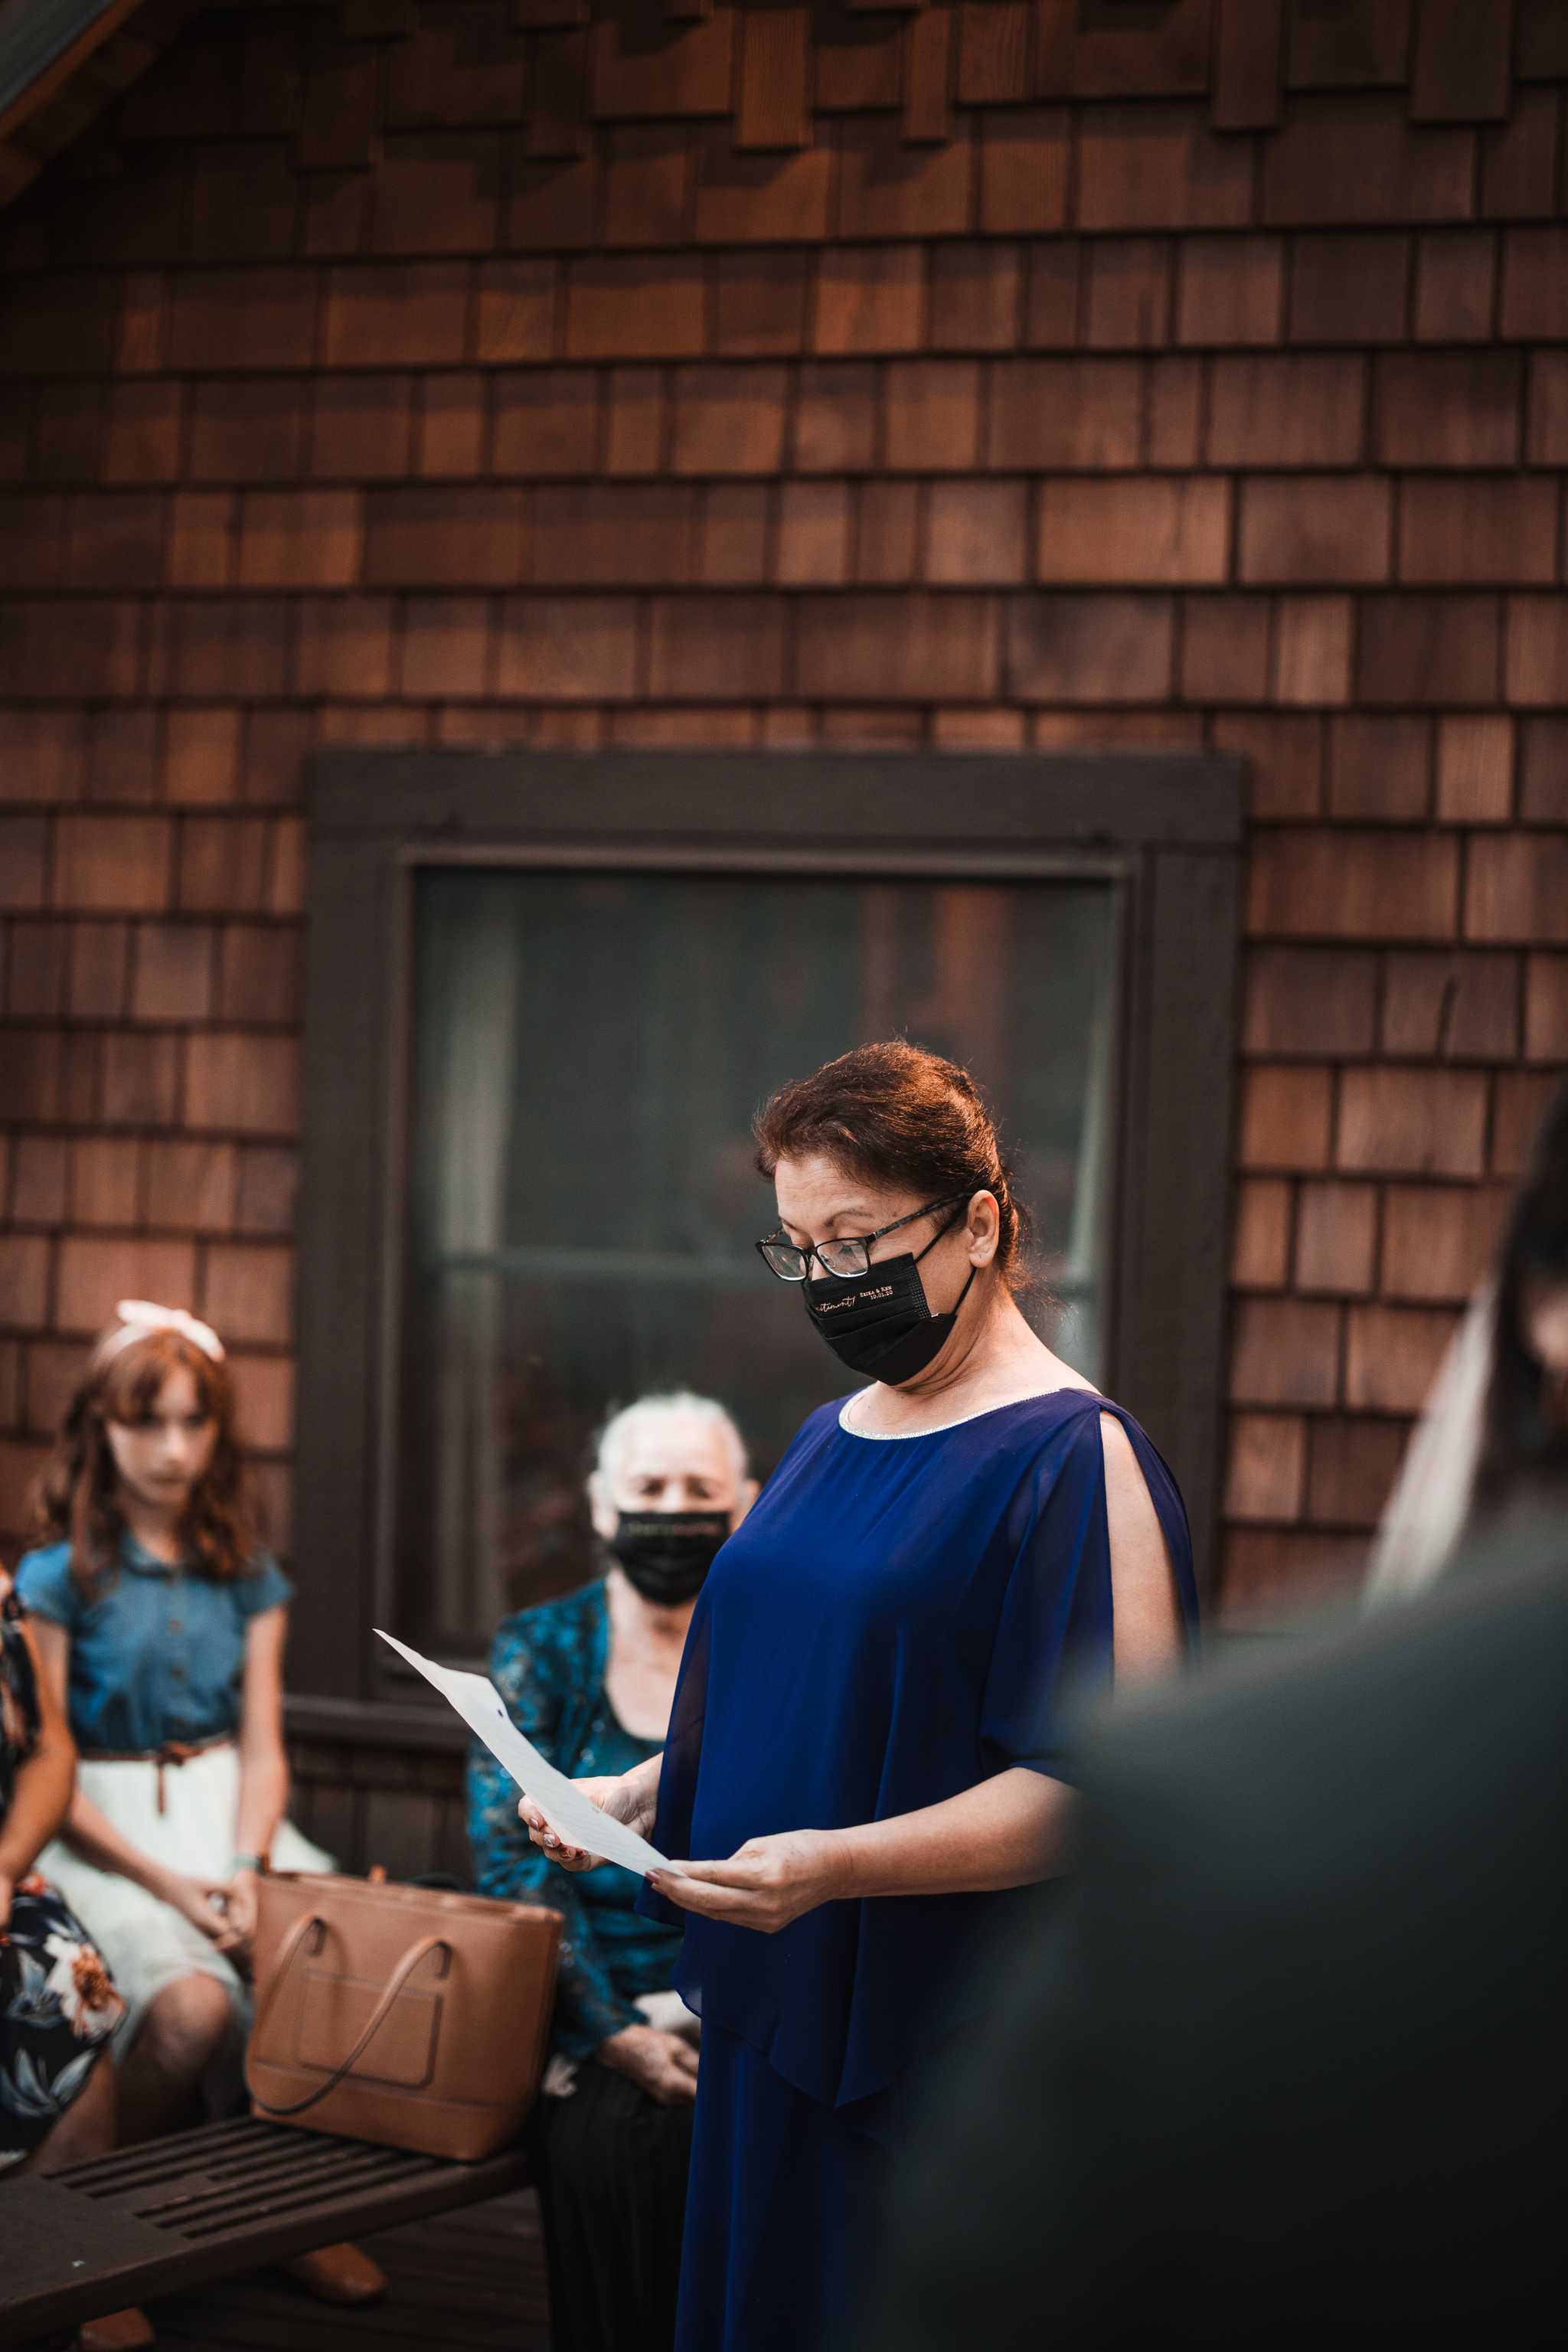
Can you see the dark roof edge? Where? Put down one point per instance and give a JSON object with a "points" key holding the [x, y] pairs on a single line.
{"points": [[35, 36]]}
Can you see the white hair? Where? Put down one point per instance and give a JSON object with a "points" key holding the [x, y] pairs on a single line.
{"points": [[681, 1402]]}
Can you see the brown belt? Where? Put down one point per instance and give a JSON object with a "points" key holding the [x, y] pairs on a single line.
{"points": [[172, 1751]]}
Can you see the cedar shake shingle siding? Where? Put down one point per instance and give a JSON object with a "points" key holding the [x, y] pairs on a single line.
{"points": [[1010, 373]]}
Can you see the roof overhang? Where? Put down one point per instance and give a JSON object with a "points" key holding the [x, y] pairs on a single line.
{"points": [[60, 62]]}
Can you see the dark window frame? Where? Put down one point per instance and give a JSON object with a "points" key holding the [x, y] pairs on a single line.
{"points": [[1166, 826]]}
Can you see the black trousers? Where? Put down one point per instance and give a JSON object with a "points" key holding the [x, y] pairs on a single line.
{"points": [[612, 2191]]}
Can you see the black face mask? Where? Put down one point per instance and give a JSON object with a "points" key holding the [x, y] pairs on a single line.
{"points": [[880, 1324], [666, 1554]]}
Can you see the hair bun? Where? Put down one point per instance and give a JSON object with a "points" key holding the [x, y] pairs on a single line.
{"points": [[900, 1117]]}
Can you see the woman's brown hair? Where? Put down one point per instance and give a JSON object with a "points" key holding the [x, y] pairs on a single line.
{"points": [[75, 1496], [897, 1116]]}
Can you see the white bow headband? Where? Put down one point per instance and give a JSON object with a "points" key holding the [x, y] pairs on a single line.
{"points": [[139, 1318]]}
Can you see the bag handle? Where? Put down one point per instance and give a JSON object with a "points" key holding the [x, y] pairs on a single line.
{"points": [[290, 1948]]}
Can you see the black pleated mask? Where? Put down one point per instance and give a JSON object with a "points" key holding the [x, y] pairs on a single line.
{"points": [[666, 1554], [879, 1323]]}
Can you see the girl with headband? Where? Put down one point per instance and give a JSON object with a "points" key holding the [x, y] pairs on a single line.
{"points": [[159, 1623]]}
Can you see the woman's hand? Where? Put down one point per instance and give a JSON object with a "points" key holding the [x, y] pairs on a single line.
{"points": [[664, 2063], [241, 1906], [769, 1882], [7, 1889], [203, 1902], [619, 1795]]}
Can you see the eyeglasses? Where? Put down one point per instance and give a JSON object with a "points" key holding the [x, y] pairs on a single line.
{"points": [[846, 1258]]}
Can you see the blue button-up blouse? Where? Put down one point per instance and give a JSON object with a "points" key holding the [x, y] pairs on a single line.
{"points": [[158, 1652]]}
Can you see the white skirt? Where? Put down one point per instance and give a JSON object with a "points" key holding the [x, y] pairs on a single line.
{"points": [[148, 1944]]}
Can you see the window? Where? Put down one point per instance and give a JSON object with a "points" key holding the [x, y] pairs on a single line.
{"points": [[589, 1050], [546, 995]]}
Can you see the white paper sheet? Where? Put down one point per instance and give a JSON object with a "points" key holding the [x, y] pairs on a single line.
{"points": [[578, 1820]]}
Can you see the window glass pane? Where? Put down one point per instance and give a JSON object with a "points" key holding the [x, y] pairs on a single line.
{"points": [[589, 1048]]}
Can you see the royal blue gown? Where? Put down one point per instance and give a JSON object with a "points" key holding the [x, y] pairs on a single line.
{"points": [[896, 1620]]}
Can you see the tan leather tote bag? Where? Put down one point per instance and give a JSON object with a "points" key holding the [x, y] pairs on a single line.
{"points": [[400, 2014]]}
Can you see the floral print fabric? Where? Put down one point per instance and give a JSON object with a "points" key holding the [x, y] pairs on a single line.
{"points": [[57, 2005]]}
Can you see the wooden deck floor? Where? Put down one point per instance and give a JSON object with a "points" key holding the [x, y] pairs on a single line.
{"points": [[466, 2282]]}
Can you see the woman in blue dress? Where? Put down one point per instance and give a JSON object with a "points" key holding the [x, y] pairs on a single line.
{"points": [[879, 1683]]}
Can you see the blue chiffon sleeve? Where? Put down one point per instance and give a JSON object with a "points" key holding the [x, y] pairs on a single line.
{"points": [[1053, 1649]]}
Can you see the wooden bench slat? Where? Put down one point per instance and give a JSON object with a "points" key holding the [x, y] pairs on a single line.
{"points": [[113, 2176], [160, 2155], [320, 2156], [112, 2232], [241, 2163], [49, 2238], [335, 2168], [237, 2210], [329, 2162]]}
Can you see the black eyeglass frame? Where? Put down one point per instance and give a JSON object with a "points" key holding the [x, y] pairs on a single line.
{"points": [[776, 1240]]}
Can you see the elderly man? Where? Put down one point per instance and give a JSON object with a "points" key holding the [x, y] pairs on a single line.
{"points": [[590, 1679]]}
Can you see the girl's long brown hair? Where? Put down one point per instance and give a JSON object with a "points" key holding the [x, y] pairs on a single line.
{"points": [[76, 1495]]}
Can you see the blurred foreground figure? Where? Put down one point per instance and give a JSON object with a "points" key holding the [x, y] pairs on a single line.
{"points": [[1493, 1436], [1286, 2068]]}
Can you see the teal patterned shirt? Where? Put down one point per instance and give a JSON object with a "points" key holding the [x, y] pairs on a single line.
{"points": [[548, 1663]]}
